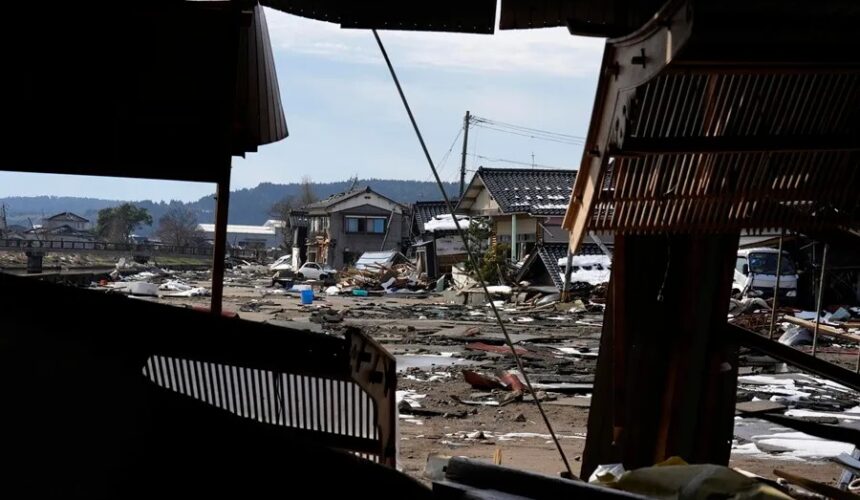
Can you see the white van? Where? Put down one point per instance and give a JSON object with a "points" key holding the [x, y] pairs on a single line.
{"points": [[755, 274]]}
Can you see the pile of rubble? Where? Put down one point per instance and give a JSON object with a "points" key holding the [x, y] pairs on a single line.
{"points": [[379, 279], [152, 281]]}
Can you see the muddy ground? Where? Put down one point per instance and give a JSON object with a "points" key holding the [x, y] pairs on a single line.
{"points": [[425, 330]]}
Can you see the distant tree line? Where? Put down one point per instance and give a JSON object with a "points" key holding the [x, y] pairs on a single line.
{"points": [[247, 206]]}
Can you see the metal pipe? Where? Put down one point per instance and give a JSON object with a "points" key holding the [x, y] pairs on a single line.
{"points": [[776, 288], [820, 297], [514, 253]]}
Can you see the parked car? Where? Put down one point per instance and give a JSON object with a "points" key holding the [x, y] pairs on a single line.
{"points": [[755, 274], [314, 271]]}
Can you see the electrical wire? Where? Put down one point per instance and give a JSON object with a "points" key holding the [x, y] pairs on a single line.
{"points": [[515, 162], [537, 131], [529, 132], [471, 254]]}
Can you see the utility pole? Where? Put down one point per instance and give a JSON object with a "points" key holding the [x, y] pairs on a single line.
{"points": [[463, 160]]}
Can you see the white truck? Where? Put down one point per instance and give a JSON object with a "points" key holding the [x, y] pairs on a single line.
{"points": [[755, 274]]}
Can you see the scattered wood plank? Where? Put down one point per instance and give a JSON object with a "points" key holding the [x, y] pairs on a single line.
{"points": [[823, 329], [575, 402], [815, 487], [759, 407]]}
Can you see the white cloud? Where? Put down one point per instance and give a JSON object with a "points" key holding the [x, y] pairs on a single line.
{"points": [[551, 51]]}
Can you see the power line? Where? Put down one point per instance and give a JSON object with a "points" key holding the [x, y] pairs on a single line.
{"points": [[524, 128], [530, 132], [445, 157], [573, 142], [515, 162], [448, 154]]}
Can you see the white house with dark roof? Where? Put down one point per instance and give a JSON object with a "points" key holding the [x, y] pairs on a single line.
{"points": [[345, 225], [74, 221], [526, 202]]}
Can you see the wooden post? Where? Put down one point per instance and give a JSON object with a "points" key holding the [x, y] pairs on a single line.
{"points": [[221, 209], [818, 302], [776, 288], [666, 371], [568, 269], [514, 256]]}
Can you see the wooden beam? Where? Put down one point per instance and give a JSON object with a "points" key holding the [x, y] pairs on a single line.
{"points": [[794, 357], [826, 330], [666, 385], [808, 484], [218, 252]]}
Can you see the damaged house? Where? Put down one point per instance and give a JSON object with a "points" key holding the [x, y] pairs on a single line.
{"points": [[436, 243], [545, 267], [64, 226], [528, 202], [345, 225]]}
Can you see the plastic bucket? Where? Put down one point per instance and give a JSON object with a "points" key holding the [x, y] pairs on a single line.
{"points": [[307, 297]]}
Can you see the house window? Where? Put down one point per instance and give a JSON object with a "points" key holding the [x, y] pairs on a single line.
{"points": [[376, 226], [354, 225], [370, 225]]}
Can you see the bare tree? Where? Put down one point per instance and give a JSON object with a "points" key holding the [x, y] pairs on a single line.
{"points": [[306, 192], [179, 227], [281, 211]]}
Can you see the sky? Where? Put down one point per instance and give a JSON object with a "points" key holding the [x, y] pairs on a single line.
{"points": [[345, 118]]}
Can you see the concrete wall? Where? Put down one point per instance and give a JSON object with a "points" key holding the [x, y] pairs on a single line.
{"points": [[525, 225], [484, 204]]}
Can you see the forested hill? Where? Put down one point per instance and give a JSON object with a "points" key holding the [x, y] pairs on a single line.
{"points": [[247, 206]]}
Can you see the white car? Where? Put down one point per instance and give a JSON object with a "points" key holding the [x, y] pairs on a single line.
{"points": [[314, 271]]}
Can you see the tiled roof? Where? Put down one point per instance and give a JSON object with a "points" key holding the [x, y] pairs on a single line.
{"points": [[331, 200], [339, 197], [423, 211], [67, 216], [527, 190], [549, 253]]}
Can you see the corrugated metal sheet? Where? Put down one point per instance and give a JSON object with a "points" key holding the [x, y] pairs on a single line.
{"points": [[759, 135]]}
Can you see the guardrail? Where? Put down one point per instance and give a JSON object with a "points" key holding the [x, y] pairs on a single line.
{"points": [[103, 246]]}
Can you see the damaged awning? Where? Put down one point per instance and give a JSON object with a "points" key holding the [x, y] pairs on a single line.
{"points": [[700, 130]]}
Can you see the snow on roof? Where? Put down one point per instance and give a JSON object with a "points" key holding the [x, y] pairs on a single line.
{"points": [[593, 269], [445, 222]]}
